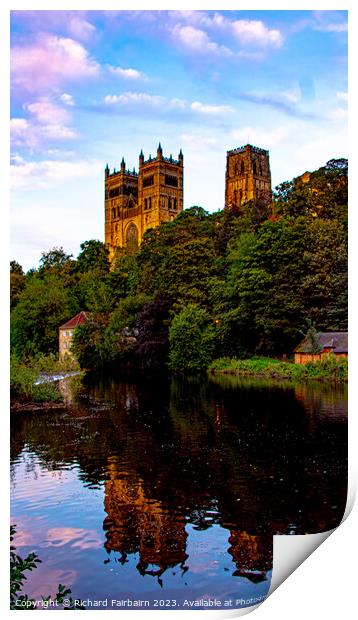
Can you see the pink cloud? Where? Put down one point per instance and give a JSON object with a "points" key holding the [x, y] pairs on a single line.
{"points": [[49, 62], [45, 112]]}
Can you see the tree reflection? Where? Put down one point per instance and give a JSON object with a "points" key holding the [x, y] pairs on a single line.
{"points": [[253, 458]]}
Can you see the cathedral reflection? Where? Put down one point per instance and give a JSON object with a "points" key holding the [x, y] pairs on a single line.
{"points": [[137, 523]]}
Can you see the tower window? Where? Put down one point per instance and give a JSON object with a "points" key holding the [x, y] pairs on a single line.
{"points": [[148, 180], [171, 180], [254, 167], [113, 213], [242, 167]]}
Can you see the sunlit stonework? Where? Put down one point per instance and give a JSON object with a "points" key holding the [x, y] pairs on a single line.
{"points": [[136, 201]]}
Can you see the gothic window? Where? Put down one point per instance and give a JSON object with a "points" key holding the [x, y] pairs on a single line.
{"points": [[150, 203], [148, 180], [254, 167], [174, 204], [260, 170], [168, 202], [132, 236], [242, 167], [171, 180], [113, 213]]}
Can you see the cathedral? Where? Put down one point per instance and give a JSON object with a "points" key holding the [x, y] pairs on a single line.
{"points": [[137, 201]]}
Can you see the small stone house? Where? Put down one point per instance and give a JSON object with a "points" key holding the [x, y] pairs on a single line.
{"points": [[66, 332], [328, 342]]}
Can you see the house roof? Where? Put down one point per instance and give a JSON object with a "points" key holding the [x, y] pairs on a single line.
{"points": [[77, 320], [337, 341]]}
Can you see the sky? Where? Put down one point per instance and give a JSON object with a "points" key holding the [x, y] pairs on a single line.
{"points": [[88, 87]]}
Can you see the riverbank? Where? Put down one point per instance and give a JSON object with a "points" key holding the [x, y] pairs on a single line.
{"points": [[34, 383], [329, 368]]}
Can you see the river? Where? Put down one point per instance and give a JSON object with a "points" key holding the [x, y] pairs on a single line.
{"points": [[166, 492]]}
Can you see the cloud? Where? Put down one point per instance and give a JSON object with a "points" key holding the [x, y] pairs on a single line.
{"points": [[80, 28], [245, 31], [130, 97], [203, 108], [284, 101], [255, 32], [26, 134], [49, 62], [131, 74], [196, 40], [46, 173], [67, 99], [329, 21], [45, 112], [48, 122]]}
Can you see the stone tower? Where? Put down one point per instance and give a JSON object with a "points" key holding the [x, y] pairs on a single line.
{"points": [[135, 201], [248, 176]]}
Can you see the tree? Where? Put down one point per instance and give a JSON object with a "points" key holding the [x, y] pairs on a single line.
{"points": [[15, 267], [152, 327], [93, 255], [54, 259], [17, 282], [44, 305], [191, 339]]}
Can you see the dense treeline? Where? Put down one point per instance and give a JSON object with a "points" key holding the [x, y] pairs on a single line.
{"points": [[205, 285]]}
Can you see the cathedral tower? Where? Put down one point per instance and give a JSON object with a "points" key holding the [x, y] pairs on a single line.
{"points": [[135, 201], [248, 176]]}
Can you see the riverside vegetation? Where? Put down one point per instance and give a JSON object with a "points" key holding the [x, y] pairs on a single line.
{"points": [[226, 286]]}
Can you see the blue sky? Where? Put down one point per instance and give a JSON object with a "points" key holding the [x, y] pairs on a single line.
{"points": [[91, 86]]}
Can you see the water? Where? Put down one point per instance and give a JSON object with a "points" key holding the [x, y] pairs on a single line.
{"points": [[166, 492]]}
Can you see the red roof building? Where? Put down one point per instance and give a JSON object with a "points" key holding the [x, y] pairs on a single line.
{"points": [[66, 332]]}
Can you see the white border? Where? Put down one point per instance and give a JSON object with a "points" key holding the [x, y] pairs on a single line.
{"points": [[325, 584]]}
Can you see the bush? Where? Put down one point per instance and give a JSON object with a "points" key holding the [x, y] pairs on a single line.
{"points": [[191, 339], [329, 367], [23, 377]]}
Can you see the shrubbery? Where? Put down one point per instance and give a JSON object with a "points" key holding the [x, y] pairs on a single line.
{"points": [[328, 367]]}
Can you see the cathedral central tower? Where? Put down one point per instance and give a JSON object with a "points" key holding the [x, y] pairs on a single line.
{"points": [[248, 176]]}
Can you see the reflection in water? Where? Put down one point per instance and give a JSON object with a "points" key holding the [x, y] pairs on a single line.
{"points": [[179, 482]]}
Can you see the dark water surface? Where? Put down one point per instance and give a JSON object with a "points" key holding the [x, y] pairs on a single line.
{"points": [[170, 490]]}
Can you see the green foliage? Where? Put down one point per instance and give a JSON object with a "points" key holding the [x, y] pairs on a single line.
{"points": [[191, 339], [323, 193], [93, 255], [152, 333], [329, 367], [23, 378], [44, 305], [17, 282], [18, 567], [54, 260]]}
